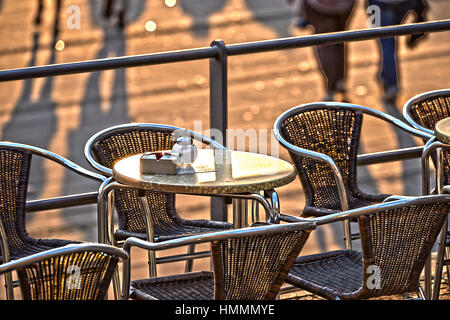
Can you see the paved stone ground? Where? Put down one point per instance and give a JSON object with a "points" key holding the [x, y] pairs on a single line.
{"points": [[61, 113]]}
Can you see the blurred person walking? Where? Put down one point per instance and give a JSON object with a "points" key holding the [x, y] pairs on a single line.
{"points": [[328, 16], [393, 12]]}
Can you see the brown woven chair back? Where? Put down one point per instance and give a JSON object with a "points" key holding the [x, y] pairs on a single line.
{"points": [[336, 133], [14, 173], [73, 276], [427, 113], [254, 268], [119, 144], [396, 244]]}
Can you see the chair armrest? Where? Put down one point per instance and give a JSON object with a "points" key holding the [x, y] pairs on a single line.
{"points": [[396, 197], [389, 205], [292, 219], [56, 158], [216, 236]]}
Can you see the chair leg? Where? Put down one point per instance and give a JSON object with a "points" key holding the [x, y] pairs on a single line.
{"points": [[447, 256], [9, 286], [348, 234], [420, 293], [116, 284], [439, 263], [190, 262]]}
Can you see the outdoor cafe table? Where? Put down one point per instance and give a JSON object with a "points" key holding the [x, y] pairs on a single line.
{"points": [[241, 175], [442, 130]]}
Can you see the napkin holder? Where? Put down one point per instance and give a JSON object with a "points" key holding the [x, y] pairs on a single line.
{"points": [[158, 163]]}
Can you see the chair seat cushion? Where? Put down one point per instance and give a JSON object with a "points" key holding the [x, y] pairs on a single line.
{"points": [[187, 286], [35, 246], [353, 203], [330, 275], [175, 231]]}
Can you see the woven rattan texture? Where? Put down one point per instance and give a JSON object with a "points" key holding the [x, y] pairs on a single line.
{"points": [[245, 268], [14, 174], [76, 276], [189, 286], [254, 268], [167, 224], [427, 113], [397, 242], [336, 133]]}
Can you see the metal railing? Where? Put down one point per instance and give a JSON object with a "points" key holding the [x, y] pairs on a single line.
{"points": [[218, 54]]}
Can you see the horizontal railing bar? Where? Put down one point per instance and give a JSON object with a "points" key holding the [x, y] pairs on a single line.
{"points": [[91, 197], [107, 64], [336, 37], [209, 52], [389, 156], [61, 202]]}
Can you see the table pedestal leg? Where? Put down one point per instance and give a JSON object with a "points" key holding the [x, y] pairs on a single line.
{"points": [[150, 235], [240, 213]]}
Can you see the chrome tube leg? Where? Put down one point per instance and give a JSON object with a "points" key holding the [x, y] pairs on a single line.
{"points": [[102, 208], [421, 293], [348, 234], [150, 234], [441, 246], [439, 263], [447, 255], [255, 211], [109, 237], [190, 262], [426, 191], [9, 286], [428, 277]]}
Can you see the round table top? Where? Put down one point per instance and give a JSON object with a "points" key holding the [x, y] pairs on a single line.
{"points": [[216, 172], [442, 130]]}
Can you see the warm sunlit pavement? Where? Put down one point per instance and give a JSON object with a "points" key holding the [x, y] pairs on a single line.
{"points": [[61, 113]]}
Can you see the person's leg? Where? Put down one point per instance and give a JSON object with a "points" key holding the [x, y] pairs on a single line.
{"points": [[420, 8], [389, 15], [330, 57]]}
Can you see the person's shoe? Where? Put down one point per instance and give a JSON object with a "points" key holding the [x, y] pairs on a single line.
{"points": [[329, 96], [390, 94], [300, 23], [413, 39]]}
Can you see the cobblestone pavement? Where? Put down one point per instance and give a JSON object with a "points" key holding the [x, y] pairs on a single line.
{"points": [[60, 113]]}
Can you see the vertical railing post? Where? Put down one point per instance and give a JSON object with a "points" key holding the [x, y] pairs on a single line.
{"points": [[218, 112]]}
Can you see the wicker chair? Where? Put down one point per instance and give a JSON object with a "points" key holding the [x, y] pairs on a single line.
{"points": [[396, 239], [73, 272], [322, 139], [423, 112], [112, 144], [15, 161], [249, 264]]}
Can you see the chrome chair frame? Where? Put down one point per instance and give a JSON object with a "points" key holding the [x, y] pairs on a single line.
{"points": [[50, 156], [204, 238], [392, 202], [105, 206], [328, 160], [68, 249], [423, 96], [432, 147]]}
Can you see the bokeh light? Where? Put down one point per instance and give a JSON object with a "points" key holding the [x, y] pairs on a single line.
{"points": [[150, 26], [60, 45], [170, 3]]}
